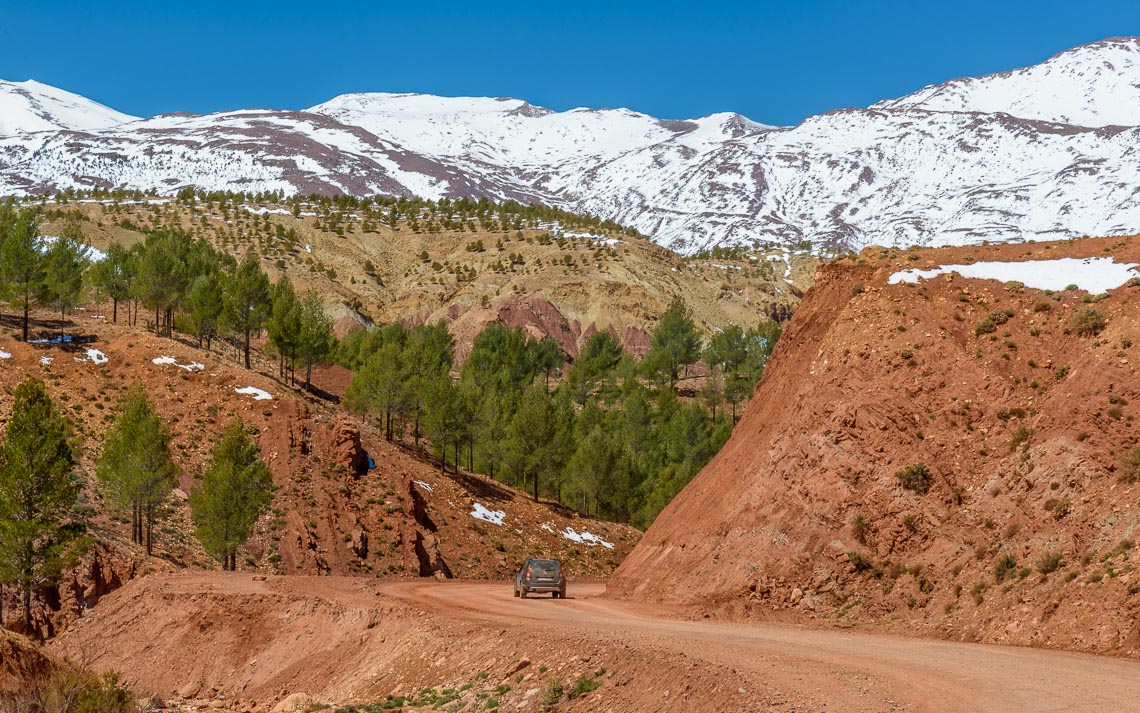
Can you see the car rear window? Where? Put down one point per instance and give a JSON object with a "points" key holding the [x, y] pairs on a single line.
{"points": [[546, 566]]}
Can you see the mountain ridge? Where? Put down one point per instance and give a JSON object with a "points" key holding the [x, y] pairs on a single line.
{"points": [[1033, 153]]}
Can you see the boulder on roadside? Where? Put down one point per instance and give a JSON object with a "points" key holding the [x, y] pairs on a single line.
{"points": [[293, 703]]}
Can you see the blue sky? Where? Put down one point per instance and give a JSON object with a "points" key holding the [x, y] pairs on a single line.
{"points": [[774, 62]]}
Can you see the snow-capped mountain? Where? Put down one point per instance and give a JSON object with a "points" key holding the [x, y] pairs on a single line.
{"points": [[1092, 85], [30, 106], [1043, 152]]}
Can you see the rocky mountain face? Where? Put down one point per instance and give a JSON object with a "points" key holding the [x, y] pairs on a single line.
{"points": [[1049, 151], [956, 457]]}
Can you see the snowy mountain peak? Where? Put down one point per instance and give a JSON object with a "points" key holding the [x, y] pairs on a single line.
{"points": [[417, 104], [1094, 85], [31, 106], [1009, 156]]}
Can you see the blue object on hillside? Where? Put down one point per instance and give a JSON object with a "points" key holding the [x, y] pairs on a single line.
{"points": [[371, 463]]}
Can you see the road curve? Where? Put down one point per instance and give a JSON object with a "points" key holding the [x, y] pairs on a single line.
{"points": [[847, 669]]}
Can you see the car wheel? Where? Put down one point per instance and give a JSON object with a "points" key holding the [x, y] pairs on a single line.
{"points": [[516, 593], [523, 594]]}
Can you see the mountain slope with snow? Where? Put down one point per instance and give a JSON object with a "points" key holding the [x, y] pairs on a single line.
{"points": [[30, 106], [1092, 85], [1049, 151]]}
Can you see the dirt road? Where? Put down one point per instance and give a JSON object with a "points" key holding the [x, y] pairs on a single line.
{"points": [[844, 671], [354, 639]]}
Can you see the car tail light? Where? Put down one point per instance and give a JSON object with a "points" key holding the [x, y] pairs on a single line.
{"points": [[528, 572]]}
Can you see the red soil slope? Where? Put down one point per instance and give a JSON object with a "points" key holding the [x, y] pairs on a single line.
{"points": [[801, 516]]}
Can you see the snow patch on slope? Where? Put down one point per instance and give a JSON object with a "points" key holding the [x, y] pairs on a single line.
{"points": [[1094, 275], [480, 512]]}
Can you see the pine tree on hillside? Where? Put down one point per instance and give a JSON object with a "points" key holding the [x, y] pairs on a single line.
{"points": [[135, 469], [676, 345], [247, 300], [284, 326], [429, 353], [596, 362], [236, 488], [725, 354], [548, 358], [594, 471], [37, 494], [761, 340], [446, 418], [203, 304], [63, 266], [382, 386], [316, 340], [114, 276], [21, 261], [163, 274], [539, 437]]}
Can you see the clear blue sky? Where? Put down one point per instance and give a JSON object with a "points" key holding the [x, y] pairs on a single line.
{"points": [[773, 62]]}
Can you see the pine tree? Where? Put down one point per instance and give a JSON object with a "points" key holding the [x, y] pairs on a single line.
{"points": [[599, 357], [548, 358], [247, 300], [203, 305], [726, 353], [64, 263], [428, 356], [135, 469], [37, 494], [382, 386], [235, 490], [539, 437], [21, 261], [316, 340], [676, 344], [498, 370], [114, 276], [594, 471], [446, 418], [284, 326], [163, 274]]}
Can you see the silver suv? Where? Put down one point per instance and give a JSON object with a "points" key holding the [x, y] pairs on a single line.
{"points": [[540, 575]]}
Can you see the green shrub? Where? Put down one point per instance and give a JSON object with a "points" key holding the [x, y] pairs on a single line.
{"points": [[583, 686], [859, 561], [1130, 466], [553, 693], [1089, 322], [1060, 507], [911, 522], [1005, 566], [986, 326], [1051, 562], [860, 528], [915, 478], [1060, 373], [1020, 435], [69, 690]]}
